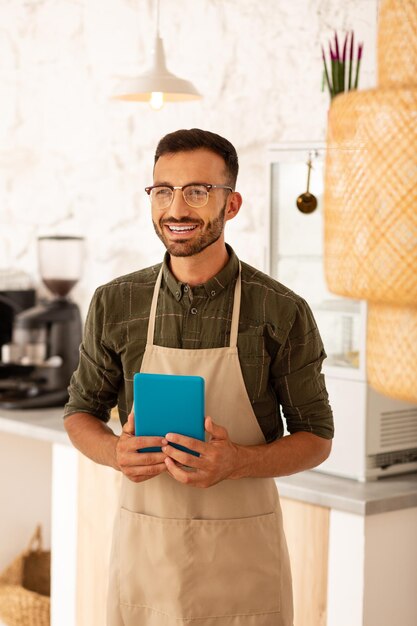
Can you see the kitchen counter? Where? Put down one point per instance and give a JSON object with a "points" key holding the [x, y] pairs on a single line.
{"points": [[342, 494], [387, 494], [42, 424], [356, 541]]}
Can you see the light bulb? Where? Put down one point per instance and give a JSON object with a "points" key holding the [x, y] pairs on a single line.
{"points": [[157, 100]]}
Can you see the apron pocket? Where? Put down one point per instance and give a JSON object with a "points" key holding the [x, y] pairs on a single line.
{"points": [[201, 568]]}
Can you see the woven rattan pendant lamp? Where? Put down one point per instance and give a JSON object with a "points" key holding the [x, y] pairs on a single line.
{"points": [[157, 85], [370, 202]]}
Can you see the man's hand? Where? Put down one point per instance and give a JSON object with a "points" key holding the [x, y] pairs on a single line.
{"points": [[220, 458], [217, 460], [138, 466]]}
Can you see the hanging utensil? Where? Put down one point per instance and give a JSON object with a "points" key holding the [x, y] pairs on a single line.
{"points": [[307, 202]]}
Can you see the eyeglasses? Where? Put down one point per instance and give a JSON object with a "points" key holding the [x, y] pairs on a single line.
{"points": [[196, 196]]}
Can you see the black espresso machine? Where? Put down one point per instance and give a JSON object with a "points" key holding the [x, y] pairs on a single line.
{"points": [[42, 349]]}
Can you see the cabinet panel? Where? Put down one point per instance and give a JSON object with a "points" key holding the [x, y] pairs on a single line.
{"points": [[307, 531], [25, 488], [98, 498], [348, 400]]}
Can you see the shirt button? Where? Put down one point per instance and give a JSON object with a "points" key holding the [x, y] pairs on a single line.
{"points": [[212, 293], [177, 293], [193, 311], [186, 288]]}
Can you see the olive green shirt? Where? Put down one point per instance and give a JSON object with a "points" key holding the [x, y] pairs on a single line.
{"points": [[279, 346]]}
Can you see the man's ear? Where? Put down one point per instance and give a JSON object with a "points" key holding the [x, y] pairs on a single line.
{"points": [[233, 205]]}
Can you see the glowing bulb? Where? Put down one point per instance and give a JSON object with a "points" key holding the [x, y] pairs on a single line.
{"points": [[157, 100]]}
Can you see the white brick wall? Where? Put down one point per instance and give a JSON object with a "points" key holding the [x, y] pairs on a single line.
{"points": [[72, 161]]}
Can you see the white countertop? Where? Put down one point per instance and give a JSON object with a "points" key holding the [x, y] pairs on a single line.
{"points": [[387, 494], [369, 498], [44, 424]]}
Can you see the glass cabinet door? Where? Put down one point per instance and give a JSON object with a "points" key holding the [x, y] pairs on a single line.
{"points": [[296, 254]]}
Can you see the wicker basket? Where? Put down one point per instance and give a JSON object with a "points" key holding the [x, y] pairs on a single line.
{"points": [[370, 220], [392, 350], [397, 43], [25, 587]]}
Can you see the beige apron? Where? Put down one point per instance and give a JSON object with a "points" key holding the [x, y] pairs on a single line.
{"points": [[202, 557]]}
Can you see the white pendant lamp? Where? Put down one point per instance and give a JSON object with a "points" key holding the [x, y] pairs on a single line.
{"points": [[158, 85]]}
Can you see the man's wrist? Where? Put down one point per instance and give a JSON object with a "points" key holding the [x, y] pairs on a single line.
{"points": [[240, 465], [112, 452]]}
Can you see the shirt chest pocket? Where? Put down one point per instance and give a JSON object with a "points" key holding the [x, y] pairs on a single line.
{"points": [[130, 346], [255, 363]]}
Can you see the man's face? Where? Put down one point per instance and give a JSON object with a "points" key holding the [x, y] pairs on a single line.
{"points": [[184, 230]]}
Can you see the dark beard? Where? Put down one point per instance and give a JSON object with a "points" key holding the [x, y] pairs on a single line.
{"points": [[210, 235]]}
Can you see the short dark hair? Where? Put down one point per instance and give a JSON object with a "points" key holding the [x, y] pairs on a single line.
{"points": [[193, 139]]}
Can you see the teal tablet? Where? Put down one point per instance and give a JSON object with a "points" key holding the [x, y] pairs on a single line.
{"points": [[167, 403]]}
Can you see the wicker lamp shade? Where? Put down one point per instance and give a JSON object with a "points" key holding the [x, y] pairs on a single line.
{"points": [[370, 196], [370, 200], [392, 350], [397, 43]]}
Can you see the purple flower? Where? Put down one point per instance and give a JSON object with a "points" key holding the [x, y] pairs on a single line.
{"points": [[336, 45], [338, 76], [344, 48]]}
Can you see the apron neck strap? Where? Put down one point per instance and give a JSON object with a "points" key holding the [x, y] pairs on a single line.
{"points": [[152, 313], [235, 314], [236, 309]]}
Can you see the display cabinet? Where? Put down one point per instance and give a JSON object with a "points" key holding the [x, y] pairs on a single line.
{"points": [[375, 435], [296, 256]]}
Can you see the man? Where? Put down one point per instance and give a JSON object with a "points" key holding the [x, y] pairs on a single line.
{"points": [[199, 539]]}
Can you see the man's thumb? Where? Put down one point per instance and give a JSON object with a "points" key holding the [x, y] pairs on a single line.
{"points": [[129, 426], [215, 430]]}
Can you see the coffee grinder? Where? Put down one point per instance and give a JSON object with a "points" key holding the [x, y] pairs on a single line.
{"points": [[44, 350]]}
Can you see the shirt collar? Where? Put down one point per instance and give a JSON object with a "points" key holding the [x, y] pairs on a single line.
{"points": [[213, 287]]}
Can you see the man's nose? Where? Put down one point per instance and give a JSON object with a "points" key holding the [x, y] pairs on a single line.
{"points": [[178, 207]]}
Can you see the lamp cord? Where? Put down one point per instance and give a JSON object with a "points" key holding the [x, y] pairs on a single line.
{"points": [[157, 18]]}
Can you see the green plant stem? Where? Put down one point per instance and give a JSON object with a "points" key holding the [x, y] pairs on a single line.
{"points": [[326, 76], [335, 77], [350, 75], [341, 75], [357, 74]]}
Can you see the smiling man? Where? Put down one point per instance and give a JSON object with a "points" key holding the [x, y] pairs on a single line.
{"points": [[186, 236], [199, 539]]}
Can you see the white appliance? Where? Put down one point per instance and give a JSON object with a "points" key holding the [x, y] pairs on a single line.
{"points": [[375, 435]]}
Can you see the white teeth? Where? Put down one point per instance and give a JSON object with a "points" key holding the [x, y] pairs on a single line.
{"points": [[180, 229]]}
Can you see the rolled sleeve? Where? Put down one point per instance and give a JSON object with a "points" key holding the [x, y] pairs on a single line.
{"points": [[298, 380], [95, 383]]}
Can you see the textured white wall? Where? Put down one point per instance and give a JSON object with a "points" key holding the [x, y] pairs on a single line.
{"points": [[73, 161]]}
